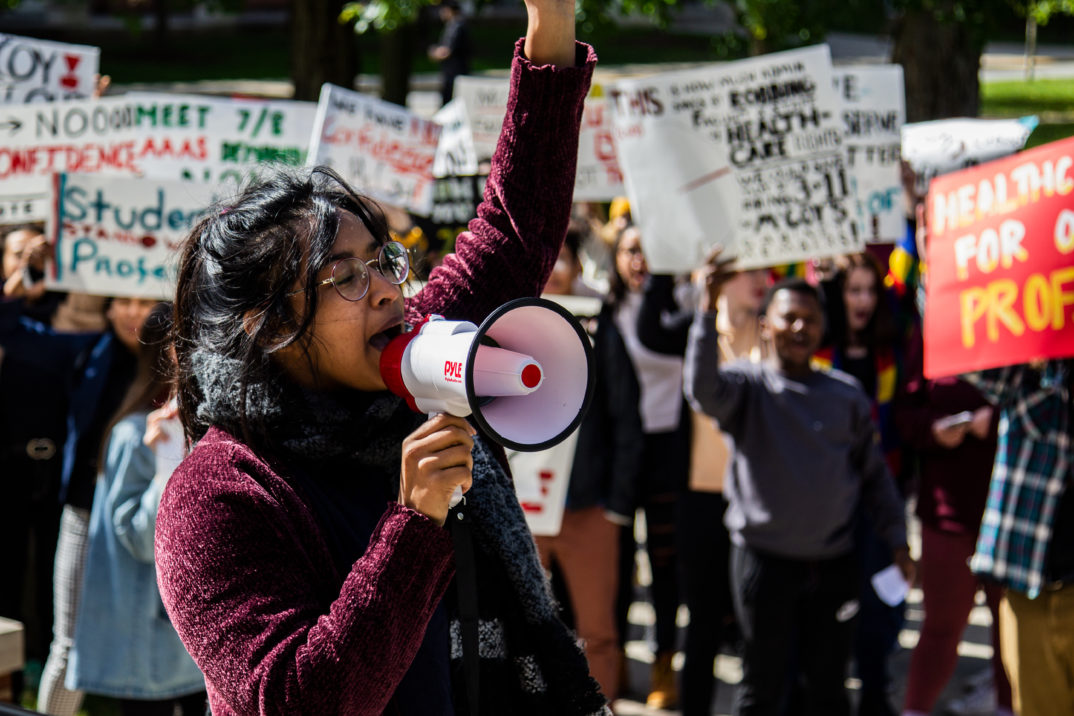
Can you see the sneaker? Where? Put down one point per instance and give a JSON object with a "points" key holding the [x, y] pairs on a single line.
{"points": [[662, 691], [978, 702]]}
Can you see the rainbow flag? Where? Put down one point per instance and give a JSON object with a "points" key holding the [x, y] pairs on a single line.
{"points": [[904, 265]]}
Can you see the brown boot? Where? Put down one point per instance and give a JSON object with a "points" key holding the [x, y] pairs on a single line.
{"points": [[662, 691]]}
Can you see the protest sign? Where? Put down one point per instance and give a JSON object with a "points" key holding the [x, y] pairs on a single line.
{"points": [[208, 139], [239, 135], [118, 236], [33, 70], [382, 149], [541, 480], [485, 99], [1001, 262], [746, 154], [874, 110], [947, 145], [455, 153], [598, 177], [455, 201]]}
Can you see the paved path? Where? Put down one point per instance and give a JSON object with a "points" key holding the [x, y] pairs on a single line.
{"points": [[975, 652]]}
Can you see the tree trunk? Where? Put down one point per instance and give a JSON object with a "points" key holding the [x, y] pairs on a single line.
{"points": [[160, 24], [396, 62], [940, 62], [1031, 46], [322, 49]]}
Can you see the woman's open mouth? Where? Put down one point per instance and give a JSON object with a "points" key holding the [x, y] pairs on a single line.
{"points": [[380, 340]]}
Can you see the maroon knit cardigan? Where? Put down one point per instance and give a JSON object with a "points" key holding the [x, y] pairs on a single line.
{"points": [[244, 569]]}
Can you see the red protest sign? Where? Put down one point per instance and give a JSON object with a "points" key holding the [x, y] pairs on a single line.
{"points": [[1001, 262]]}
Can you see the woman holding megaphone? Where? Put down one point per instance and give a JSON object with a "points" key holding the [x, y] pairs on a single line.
{"points": [[301, 546]]}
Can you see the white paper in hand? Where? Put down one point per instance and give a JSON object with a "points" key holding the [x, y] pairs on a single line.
{"points": [[171, 449], [890, 586]]}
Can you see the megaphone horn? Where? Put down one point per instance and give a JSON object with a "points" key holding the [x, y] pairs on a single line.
{"points": [[525, 375]]}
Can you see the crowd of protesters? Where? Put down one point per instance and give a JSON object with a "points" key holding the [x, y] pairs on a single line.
{"points": [[770, 426]]}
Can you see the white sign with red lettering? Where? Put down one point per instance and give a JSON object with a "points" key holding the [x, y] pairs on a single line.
{"points": [[384, 150], [207, 139], [33, 70], [541, 480], [599, 177]]}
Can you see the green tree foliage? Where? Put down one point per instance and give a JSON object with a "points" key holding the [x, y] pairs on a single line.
{"points": [[382, 16]]}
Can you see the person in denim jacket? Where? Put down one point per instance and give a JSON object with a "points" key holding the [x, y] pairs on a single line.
{"points": [[125, 646]]}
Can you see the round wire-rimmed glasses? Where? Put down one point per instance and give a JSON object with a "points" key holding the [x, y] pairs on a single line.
{"points": [[350, 276]]}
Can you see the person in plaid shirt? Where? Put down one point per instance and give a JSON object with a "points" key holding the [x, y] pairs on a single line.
{"points": [[1026, 541]]}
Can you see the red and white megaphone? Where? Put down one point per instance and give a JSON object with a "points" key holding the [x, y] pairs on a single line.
{"points": [[525, 375]]}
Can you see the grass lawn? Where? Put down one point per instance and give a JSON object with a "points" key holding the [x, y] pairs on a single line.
{"points": [[1049, 98]]}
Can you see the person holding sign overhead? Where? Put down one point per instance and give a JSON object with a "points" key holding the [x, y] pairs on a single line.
{"points": [[805, 456], [301, 548]]}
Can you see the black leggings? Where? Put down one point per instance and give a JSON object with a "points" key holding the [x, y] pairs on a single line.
{"points": [[703, 563], [665, 461]]}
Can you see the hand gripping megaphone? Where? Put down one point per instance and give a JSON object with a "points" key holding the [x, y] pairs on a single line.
{"points": [[525, 375]]}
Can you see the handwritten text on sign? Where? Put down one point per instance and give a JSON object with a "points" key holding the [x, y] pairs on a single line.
{"points": [[746, 154], [874, 109], [115, 236], [1001, 262], [34, 70], [155, 135], [947, 145], [598, 177], [382, 149]]}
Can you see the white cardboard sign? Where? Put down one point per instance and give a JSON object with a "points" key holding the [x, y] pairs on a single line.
{"points": [[207, 139], [541, 480], [384, 150], [485, 99], [746, 154], [874, 110], [33, 70], [947, 145], [455, 153], [599, 177], [119, 236]]}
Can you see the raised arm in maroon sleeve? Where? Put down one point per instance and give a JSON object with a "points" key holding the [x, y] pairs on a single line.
{"points": [[512, 245]]}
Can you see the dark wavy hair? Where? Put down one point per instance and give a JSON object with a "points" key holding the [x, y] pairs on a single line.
{"points": [[238, 265], [881, 328]]}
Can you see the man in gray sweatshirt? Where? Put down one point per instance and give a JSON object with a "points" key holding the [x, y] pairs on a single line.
{"points": [[805, 455]]}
